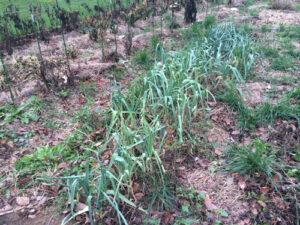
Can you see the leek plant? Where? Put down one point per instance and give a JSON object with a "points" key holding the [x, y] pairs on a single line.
{"points": [[130, 19], [7, 81], [61, 14], [40, 57], [135, 123]]}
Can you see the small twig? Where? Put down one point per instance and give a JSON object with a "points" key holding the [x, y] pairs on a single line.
{"points": [[48, 223], [11, 211]]}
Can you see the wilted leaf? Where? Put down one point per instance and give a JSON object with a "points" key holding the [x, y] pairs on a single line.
{"points": [[235, 132], [242, 184], [180, 160], [262, 203], [264, 190], [208, 204], [227, 120], [212, 103], [10, 144], [95, 164], [22, 201], [139, 195], [214, 118], [81, 206], [63, 165], [218, 152]]}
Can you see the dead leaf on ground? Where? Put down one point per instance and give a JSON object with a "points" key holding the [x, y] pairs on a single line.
{"points": [[262, 203], [139, 195], [242, 184], [235, 132], [264, 190], [22, 201], [212, 103], [180, 160], [81, 206], [63, 165], [208, 204], [218, 152]]}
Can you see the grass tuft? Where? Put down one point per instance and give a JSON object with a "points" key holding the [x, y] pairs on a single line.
{"points": [[253, 160]]}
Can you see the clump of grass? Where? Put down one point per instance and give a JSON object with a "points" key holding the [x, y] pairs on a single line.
{"points": [[281, 27], [292, 32], [197, 31], [246, 117], [270, 52], [267, 112], [252, 160], [209, 21], [155, 43], [248, 3], [295, 94], [290, 50], [283, 63], [265, 28], [142, 57], [253, 12], [48, 157], [245, 27]]}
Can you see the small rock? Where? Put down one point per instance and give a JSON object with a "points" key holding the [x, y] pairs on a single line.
{"points": [[22, 201], [31, 211], [31, 216]]}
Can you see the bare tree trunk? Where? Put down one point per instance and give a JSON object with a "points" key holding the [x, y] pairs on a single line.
{"points": [[190, 11]]}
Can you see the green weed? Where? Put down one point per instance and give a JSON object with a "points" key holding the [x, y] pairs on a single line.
{"points": [[282, 110], [246, 117], [142, 57], [253, 12], [88, 89], [209, 21], [292, 32], [283, 63], [264, 28], [281, 27], [270, 52], [26, 112]]}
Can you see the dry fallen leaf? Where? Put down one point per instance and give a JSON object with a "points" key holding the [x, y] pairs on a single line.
{"points": [[264, 190], [31, 216], [139, 195], [22, 201], [235, 132], [63, 165], [81, 206], [208, 204], [212, 103], [227, 120], [262, 203], [180, 160], [242, 184], [218, 152]]}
